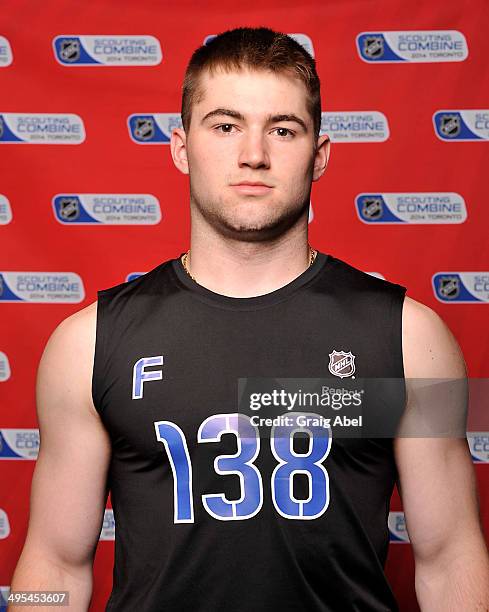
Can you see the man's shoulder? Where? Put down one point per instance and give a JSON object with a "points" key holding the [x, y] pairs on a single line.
{"points": [[77, 331], [351, 277], [430, 349], [144, 282], [419, 318]]}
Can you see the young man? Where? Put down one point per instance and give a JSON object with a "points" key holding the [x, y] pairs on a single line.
{"points": [[209, 515]]}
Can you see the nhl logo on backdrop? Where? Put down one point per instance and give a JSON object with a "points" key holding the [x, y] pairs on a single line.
{"points": [[69, 209], [144, 129], [373, 46], [449, 287], [70, 49], [450, 125], [372, 208], [341, 364]]}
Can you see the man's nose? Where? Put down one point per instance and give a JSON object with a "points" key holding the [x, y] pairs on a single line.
{"points": [[254, 152]]}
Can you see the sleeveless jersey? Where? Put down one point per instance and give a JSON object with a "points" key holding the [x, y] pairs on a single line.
{"points": [[209, 518]]}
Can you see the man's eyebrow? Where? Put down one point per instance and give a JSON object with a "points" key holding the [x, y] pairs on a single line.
{"points": [[288, 117], [270, 119], [223, 111]]}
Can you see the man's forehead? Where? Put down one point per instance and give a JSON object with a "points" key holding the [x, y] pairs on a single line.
{"points": [[222, 81], [222, 73]]}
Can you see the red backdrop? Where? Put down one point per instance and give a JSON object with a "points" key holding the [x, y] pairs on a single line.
{"points": [[411, 157]]}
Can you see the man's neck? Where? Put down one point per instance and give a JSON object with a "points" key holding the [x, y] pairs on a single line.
{"points": [[237, 271]]}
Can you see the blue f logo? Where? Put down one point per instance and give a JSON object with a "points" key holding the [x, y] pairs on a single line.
{"points": [[139, 376]]}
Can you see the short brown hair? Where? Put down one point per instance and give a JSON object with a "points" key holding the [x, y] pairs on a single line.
{"points": [[256, 48]]}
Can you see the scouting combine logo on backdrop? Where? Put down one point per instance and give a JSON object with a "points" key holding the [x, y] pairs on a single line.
{"points": [[107, 50], [19, 443], [479, 446], [396, 523], [6, 57], [355, 126], [412, 46], [461, 287], [413, 208], [153, 128], [41, 287], [5, 210], [37, 128], [462, 125], [106, 209]]}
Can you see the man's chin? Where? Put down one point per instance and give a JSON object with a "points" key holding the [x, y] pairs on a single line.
{"points": [[251, 222], [252, 230]]}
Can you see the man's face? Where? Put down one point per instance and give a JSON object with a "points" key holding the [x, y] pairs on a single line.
{"points": [[251, 127]]}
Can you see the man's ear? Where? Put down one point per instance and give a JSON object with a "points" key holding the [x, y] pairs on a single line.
{"points": [[178, 147], [322, 157]]}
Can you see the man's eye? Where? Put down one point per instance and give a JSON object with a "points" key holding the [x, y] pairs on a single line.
{"points": [[225, 127], [283, 132]]}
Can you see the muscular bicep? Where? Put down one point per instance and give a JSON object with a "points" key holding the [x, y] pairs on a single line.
{"points": [[436, 474], [68, 493], [438, 492]]}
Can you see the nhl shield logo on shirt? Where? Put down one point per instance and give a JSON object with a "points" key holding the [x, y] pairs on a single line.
{"points": [[341, 364]]}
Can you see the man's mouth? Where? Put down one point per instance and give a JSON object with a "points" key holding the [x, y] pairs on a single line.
{"points": [[252, 188]]}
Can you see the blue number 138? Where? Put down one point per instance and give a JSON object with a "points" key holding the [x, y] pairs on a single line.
{"points": [[241, 464]]}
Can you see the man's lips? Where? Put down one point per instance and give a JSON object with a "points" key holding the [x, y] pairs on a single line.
{"points": [[252, 188]]}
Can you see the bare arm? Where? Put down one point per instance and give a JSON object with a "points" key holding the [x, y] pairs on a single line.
{"points": [[437, 481], [68, 493]]}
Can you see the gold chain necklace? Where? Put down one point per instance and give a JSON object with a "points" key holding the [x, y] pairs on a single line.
{"points": [[312, 257]]}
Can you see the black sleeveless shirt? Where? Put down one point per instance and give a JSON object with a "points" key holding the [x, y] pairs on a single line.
{"points": [[196, 531]]}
